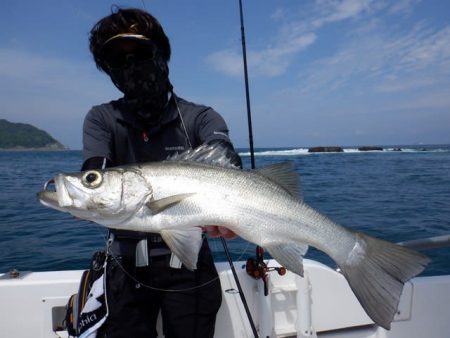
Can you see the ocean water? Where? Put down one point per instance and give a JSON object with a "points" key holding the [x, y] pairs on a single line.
{"points": [[394, 195]]}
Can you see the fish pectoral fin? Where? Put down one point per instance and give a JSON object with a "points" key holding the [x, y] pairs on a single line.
{"points": [[283, 174], [289, 255], [185, 244], [156, 206]]}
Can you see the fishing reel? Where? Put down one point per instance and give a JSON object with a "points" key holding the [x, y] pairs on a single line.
{"points": [[258, 269]]}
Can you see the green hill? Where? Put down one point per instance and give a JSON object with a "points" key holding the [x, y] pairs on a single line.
{"points": [[25, 136]]}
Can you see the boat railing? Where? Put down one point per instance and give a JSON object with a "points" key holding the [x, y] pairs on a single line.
{"points": [[427, 243]]}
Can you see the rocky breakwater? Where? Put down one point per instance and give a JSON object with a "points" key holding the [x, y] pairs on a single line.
{"points": [[370, 148], [332, 149]]}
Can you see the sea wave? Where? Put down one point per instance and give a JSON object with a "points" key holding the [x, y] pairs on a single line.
{"points": [[278, 152], [352, 150]]}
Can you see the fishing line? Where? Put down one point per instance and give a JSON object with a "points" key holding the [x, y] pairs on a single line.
{"points": [[182, 121], [139, 283], [134, 279]]}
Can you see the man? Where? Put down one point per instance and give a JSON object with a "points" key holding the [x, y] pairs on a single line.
{"points": [[148, 124]]}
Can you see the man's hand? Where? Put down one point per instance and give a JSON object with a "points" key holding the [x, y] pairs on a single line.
{"points": [[215, 231]]}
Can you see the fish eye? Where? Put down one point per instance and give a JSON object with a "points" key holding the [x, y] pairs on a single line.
{"points": [[92, 179]]}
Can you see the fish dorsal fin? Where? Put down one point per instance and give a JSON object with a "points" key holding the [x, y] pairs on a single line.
{"points": [[284, 175], [213, 154]]}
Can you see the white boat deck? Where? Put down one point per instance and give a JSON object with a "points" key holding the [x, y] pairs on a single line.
{"points": [[319, 305]]}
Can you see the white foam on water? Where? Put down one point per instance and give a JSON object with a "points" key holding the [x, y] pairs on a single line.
{"points": [[281, 152], [352, 150]]}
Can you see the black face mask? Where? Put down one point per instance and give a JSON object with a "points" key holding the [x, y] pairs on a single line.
{"points": [[145, 84]]}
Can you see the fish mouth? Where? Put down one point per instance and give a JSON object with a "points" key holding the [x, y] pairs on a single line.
{"points": [[46, 197], [54, 194], [49, 198]]}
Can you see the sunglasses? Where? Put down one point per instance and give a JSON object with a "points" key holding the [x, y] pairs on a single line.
{"points": [[123, 52]]}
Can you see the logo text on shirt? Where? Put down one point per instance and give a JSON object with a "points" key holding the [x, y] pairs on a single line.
{"points": [[173, 148]]}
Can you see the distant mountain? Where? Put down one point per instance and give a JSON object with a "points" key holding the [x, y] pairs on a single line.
{"points": [[25, 136]]}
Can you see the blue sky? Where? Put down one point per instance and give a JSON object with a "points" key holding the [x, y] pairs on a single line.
{"points": [[324, 72]]}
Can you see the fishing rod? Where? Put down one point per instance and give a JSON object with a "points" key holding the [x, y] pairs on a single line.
{"points": [[252, 157], [247, 90]]}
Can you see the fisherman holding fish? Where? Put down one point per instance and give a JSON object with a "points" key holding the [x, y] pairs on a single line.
{"points": [[148, 124], [193, 189]]}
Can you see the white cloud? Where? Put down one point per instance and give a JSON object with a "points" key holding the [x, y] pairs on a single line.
{"points": [[368, 49], [279, 14], [431, 48], [391, 62], [387, 79], [395, 84], [333, 11], [403, 6], [292, 37], [228, 62], [272, 61]]}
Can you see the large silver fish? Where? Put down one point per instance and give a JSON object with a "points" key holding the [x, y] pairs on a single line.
{"points": [[200, 188]]}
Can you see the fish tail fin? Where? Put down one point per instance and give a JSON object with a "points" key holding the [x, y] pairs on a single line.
{"points": [[376, 271]]}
